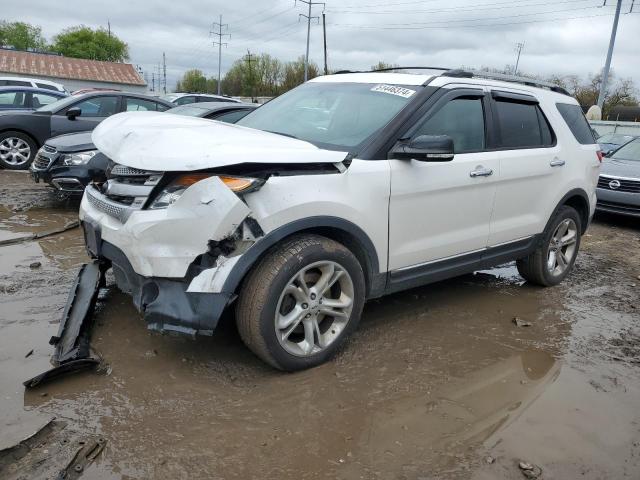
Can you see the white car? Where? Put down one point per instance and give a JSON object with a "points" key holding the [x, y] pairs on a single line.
{"points": [[31, 82], [186, 98], [347, 188]]}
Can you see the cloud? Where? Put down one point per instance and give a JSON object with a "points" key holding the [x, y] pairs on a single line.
{"points": [[359, 32]]}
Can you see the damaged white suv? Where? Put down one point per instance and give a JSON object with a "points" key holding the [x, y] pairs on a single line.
{"points": [[349, 187]]}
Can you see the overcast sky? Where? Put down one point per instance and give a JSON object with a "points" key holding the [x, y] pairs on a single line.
{"points": [[561, 36]]}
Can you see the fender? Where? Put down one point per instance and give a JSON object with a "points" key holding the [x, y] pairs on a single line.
{"points": [[584, 216], [374, 279]]}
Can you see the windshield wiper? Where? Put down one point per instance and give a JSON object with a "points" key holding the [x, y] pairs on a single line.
{"points": [[283, 134]]}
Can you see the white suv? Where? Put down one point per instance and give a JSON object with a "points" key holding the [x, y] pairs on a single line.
{"points": [[349, 187]]}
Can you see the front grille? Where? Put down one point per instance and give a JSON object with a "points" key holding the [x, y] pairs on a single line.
{"points": [[619, 207], [625, 184], [41, 162], [110, 208], [125, 191], [122, 171]]}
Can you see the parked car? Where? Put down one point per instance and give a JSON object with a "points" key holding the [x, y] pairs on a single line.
{"points": [[611, 141], [27, 98], [31, 82], [69, 162], [22, 133], [185, 98], [619, 182], [82, 91], [395, 181]]}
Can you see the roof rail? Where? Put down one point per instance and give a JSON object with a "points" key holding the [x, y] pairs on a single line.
{"points": [[391, 69], [532, 82]]}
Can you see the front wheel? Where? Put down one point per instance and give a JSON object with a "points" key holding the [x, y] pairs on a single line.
{"points": [[552, 261], [301, 302], [17, 150]]}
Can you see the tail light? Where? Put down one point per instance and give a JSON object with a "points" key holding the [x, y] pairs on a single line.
{"points": [[600, 155]]}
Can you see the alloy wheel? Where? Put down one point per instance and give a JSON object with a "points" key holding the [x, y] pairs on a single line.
{"points": [[562, 247], [15, 151], [314, 308]]}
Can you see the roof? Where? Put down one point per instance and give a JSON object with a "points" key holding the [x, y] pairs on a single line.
{"points": [[56, 66], [375, 77], [19, 88]]}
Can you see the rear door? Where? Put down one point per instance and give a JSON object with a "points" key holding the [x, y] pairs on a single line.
{"points": [[93, 111], [531, 166], [443, 209]]}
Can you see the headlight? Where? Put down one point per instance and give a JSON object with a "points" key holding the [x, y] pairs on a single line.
{"points": [[80, 158], [173, 191]]}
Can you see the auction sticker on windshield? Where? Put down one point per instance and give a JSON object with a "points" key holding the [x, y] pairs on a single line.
{"points": [[393, 90]]}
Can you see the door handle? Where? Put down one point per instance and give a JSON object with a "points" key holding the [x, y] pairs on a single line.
{"points": [[480, 171], [556, 162]]}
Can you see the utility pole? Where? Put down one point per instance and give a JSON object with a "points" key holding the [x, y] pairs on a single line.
{"points": [[164, 73], [249, 58], [519, 48], [324, 36], [220, 27], [310, 3], [607, 65], [109, 28]]}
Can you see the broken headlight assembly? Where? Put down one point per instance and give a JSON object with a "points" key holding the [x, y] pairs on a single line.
{"points": [[79, 158], [174, 190]]}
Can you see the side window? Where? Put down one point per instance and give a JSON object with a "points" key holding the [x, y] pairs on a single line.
{"points": [[161, 107], [12, 99], [229, 117], [209, 99], [572, 114], [140, 105], [98, 106], [40, 99], [185, 100], [46, 86], [18, 83], [522, 125], [463, 120]]}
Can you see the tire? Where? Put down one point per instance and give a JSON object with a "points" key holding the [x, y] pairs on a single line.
{"points": [[553, 260], [17, 150], [278, 313]]}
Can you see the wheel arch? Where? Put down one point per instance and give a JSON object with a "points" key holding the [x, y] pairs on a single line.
{"points": [[24, 132], [335, 228], [579, 200]]}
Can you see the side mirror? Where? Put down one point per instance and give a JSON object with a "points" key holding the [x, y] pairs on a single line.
{"points": [[426, 148], [73, 112]]}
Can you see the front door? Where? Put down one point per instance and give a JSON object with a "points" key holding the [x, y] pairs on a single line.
{"points": [[93, 111], [443, 209]]}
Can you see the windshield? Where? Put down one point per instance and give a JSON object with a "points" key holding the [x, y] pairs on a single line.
{"points": [[188, 110], [615, 138], [630, 151], [55, 106], [331, 115]]}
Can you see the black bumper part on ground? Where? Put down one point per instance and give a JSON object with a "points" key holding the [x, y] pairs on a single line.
{"points": [[165, 303], [73, 352]]}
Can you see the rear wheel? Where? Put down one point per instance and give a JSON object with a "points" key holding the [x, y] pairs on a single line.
{"points": [[301, 302], [554, 258], [17, 150]]}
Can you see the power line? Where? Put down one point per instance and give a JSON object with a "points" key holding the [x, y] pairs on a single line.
{"points": [[478, 7], [413, 25], [309, 3], [220, 34]]}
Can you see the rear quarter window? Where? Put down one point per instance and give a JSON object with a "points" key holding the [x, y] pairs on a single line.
{"points": [[577, 123]]}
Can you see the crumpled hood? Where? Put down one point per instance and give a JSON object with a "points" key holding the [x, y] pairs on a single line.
{"points": [[167, 142], [620, 168]]}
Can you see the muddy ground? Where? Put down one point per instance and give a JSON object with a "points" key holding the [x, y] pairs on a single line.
{"points": [[437, 383]]}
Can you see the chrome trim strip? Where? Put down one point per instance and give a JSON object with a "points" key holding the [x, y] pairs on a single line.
{"points": [[619, 178]]}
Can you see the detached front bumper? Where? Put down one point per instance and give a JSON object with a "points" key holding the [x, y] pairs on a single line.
{"points": [[162, 257], [165, 303]]}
